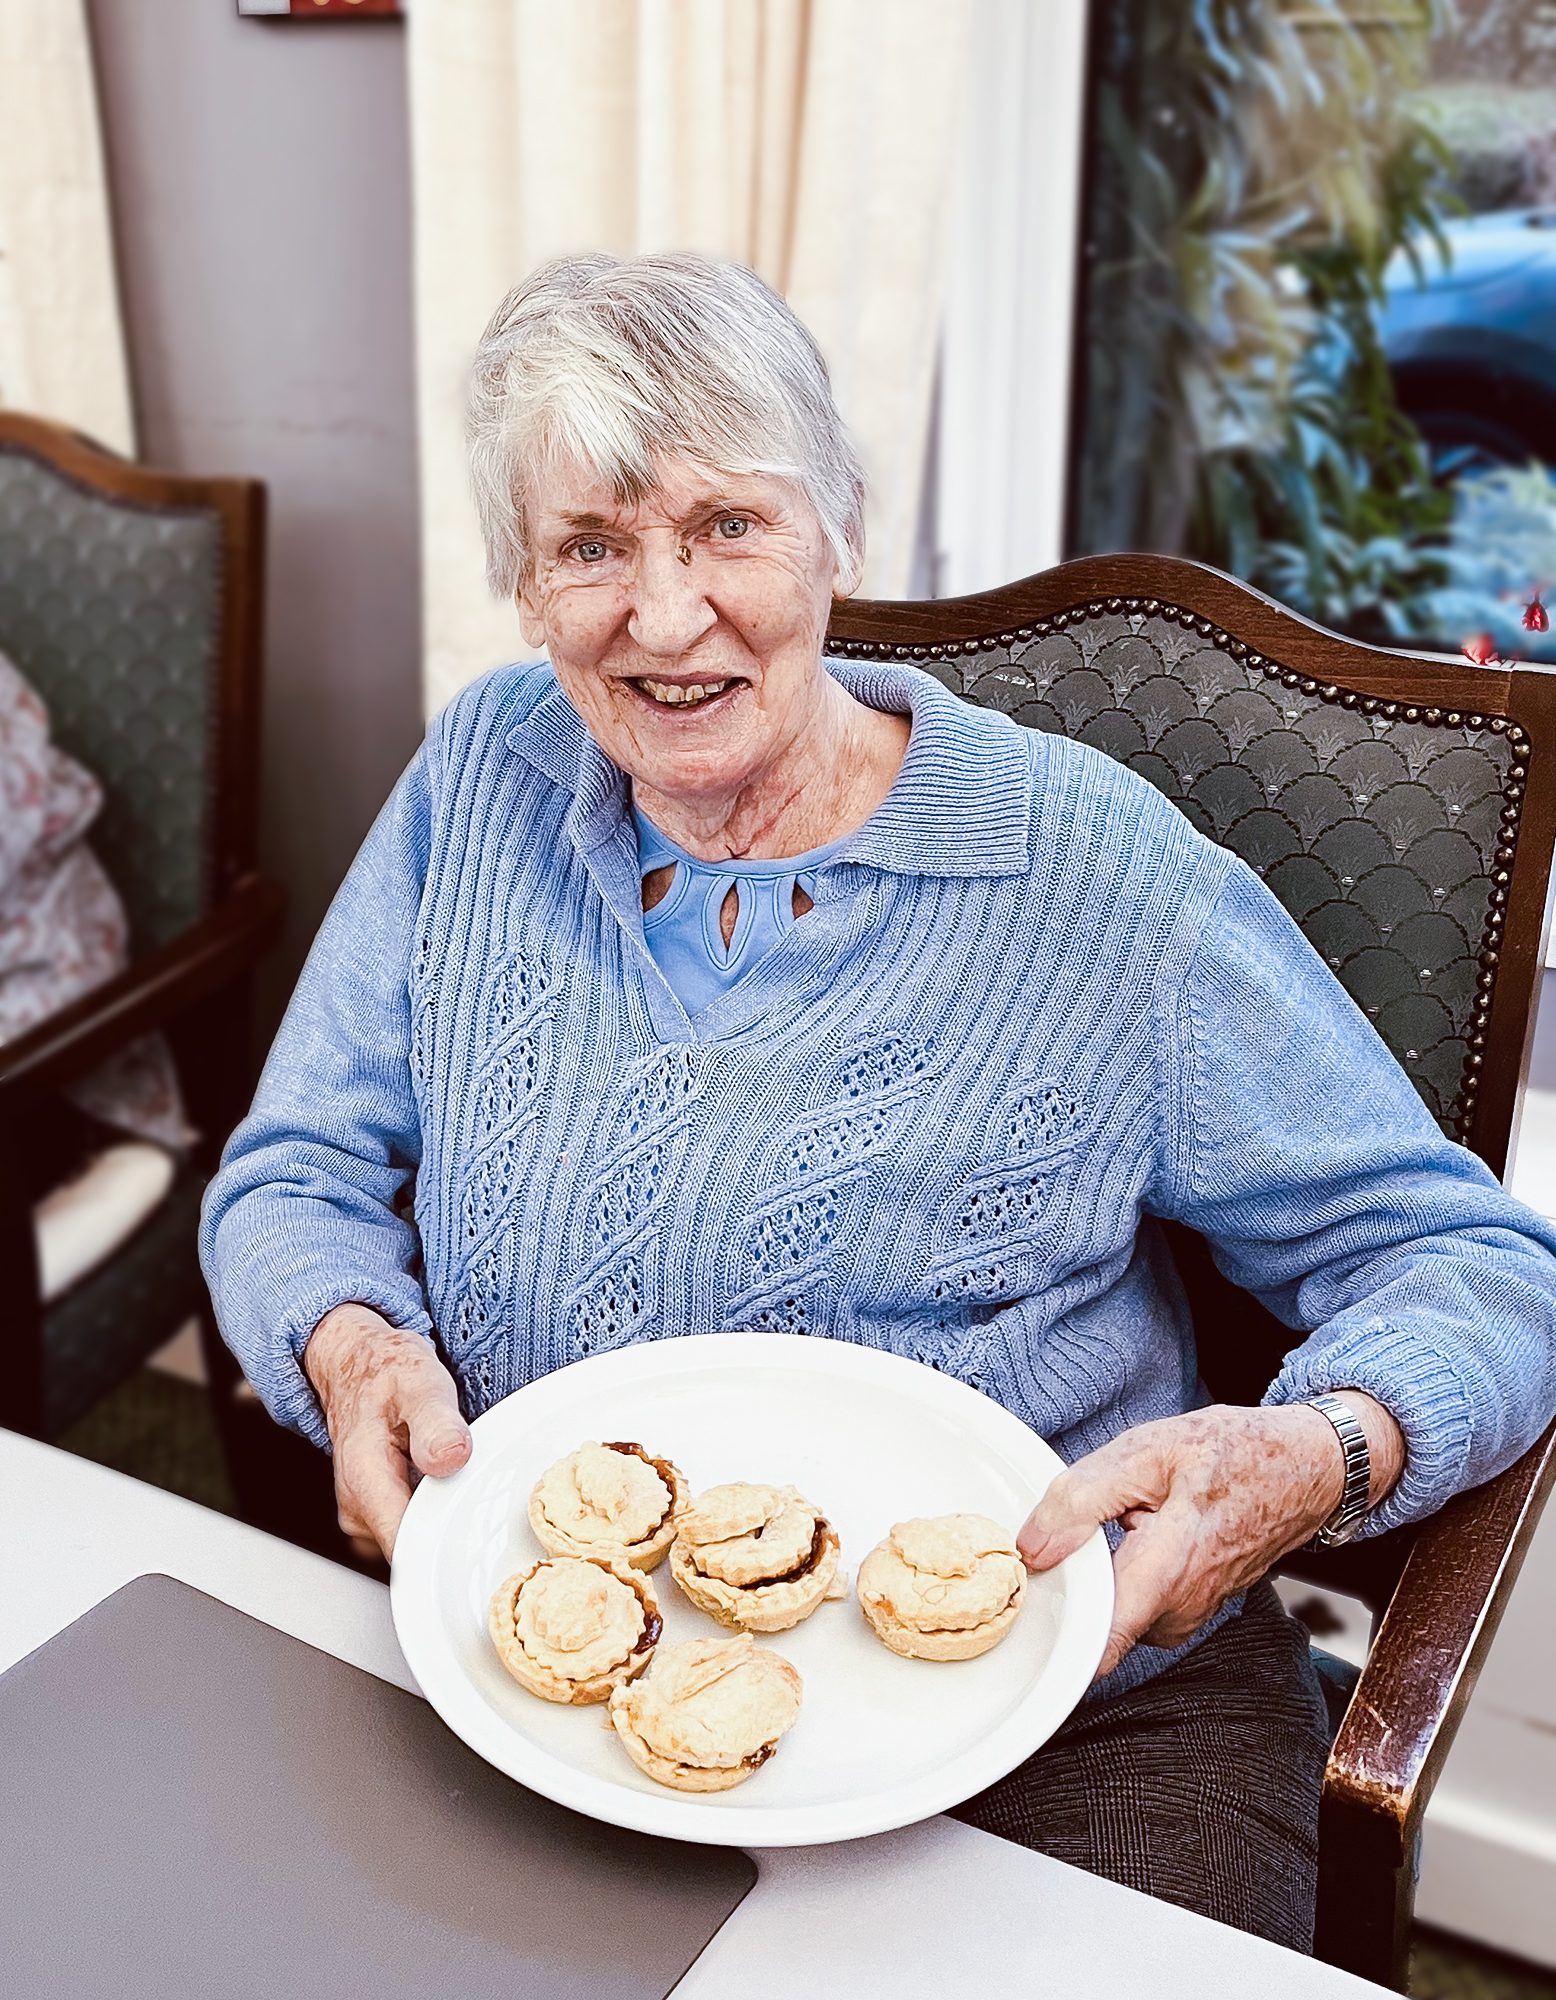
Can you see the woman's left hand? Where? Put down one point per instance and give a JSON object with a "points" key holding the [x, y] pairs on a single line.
{"points": [[1209, 1501]]}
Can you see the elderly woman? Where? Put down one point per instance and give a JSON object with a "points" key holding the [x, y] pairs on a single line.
{"points": [[699, 981]]}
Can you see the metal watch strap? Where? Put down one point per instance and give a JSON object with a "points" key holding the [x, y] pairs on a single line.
{"points": [[1348, 1516]]}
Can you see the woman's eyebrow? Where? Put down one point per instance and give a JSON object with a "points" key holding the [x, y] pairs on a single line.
{"points": [[707, 504]]}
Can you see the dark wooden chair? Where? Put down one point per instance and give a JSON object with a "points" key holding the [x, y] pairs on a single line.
{"points": [[130, 599], [1402, 807]]}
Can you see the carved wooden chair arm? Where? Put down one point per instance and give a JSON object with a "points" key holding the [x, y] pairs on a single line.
{"points": [[152, 992], [1427, 1655]]}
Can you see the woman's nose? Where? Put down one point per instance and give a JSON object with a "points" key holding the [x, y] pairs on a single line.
{"points": [[669, 605]]}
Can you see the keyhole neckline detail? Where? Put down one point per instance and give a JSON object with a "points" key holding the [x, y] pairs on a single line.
{"points": [[683, 931]]}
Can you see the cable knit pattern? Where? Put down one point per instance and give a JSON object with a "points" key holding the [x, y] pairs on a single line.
{"points": [[1033, 1009]]}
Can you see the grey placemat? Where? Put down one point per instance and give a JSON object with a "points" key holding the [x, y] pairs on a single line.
{"points": [[192, 1803]]}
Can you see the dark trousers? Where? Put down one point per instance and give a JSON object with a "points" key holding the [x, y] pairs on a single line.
{"points": [[1200, 1787]]}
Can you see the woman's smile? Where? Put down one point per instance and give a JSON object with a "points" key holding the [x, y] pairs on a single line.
{"points": [[682, 696]]}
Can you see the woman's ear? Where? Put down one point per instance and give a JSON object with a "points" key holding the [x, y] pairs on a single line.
{"points": [[846, 578]]}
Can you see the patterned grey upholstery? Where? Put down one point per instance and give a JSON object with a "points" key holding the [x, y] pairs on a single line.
{"points": [[1386, 831], [111, 608]]}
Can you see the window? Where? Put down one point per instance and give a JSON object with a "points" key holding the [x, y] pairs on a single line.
{"points": [[1316, 336]]}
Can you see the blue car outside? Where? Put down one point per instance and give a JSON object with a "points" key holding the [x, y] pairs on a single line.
{"points": [[1471, 342]]}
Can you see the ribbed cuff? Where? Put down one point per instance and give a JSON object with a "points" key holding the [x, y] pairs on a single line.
{"points": [[283, 1385], [289, 1397], [1418, 1386]]}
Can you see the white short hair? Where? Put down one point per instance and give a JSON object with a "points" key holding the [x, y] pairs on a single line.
{"points": [[608, 361]]}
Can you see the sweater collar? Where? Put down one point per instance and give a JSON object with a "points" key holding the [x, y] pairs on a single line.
{"points": [[962, 804]]}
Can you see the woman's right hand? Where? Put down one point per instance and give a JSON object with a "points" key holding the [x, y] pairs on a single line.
{"points": [[393, 1414]]}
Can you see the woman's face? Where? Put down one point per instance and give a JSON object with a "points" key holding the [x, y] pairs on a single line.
{"points": [[630, 627]]}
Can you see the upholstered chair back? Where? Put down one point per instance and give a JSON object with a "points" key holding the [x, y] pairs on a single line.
{"points": [[1386, 829], [129, 599], [1384, 798], [112, 608]]}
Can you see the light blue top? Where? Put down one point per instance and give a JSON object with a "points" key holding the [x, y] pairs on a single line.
{"points": [[682, 930], [1033, 1010]]}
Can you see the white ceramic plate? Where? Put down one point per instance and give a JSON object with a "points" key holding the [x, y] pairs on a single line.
{"points": [[872, 1439]]}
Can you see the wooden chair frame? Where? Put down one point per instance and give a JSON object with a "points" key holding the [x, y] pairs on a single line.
{"points": [[197, 985], [1454, 1584]]}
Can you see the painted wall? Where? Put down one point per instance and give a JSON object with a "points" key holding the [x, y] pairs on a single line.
{"points": [[259, 178]]}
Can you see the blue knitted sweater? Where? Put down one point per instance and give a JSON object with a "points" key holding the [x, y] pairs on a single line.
{"points": [[1032, 1010]]}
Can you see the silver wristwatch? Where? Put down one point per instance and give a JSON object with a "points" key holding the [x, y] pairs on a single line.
{"points": [[1352, 1510]]}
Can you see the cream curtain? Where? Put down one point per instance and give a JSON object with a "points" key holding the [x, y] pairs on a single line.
{"points": [[61, 344], [811, 139], [1002, 448]]}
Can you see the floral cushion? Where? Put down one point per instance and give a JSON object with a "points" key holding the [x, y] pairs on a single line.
{"points": [[62, 925]]}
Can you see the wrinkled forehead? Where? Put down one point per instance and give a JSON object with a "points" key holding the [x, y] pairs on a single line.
{"points": [[567, 494]]}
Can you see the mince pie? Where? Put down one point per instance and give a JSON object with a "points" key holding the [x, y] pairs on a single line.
{"points": [[608, 1496], [709, 1714], [943, 1589], [574, 1628], [757, 1558]]}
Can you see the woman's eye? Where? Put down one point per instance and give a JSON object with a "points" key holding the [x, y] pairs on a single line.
{"points": [[590, 552], [739, 522]]}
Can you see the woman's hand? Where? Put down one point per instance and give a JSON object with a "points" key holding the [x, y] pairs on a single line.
{"points": [[393, 1414], [1209, 1502]]}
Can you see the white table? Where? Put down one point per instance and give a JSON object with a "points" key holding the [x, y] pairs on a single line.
{"points": [[932, 1910]]}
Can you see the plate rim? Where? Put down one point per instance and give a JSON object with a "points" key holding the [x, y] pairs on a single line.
{"points": [[684, 1816]]}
